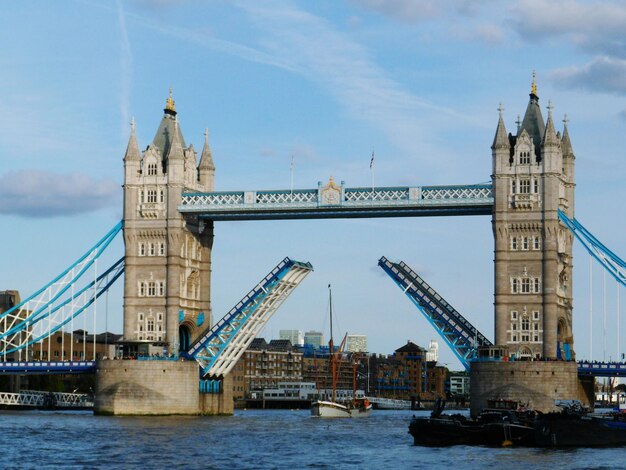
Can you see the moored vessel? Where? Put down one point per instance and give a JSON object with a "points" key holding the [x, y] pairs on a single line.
{"points": [[352, 408]]}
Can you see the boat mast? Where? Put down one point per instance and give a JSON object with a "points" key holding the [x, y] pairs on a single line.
{"points": [[331, 348]]}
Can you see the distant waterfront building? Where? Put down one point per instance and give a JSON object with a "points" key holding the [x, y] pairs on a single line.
{"points": [[459, 384], [433, 351], [264, 365], [407, 374], [294, 336], [314, 338], [356, 343]]}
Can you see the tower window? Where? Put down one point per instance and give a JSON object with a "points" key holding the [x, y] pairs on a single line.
{"points": [[525, 243], [152, 196], [537, 243], [142, 249], [142, 289], [536, 186], [525, 324], [161, 249], [514, 243], [151, 289], [537, 286], [525, 285], [513, 186], [536, 315], [524, 186], [514, 315], [152, 249], [152, 169], [524, 158], [162, 196], [161, 288], [514, 286]]}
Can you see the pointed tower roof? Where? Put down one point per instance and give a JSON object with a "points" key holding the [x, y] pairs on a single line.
{"points": [[533, 120], [566, 144], [176, 146], [168, 127], [132, 150], [500, 140], [550, 138], [206, 159]]}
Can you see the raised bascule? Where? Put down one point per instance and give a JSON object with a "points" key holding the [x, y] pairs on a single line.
{"points": [[185, 358]]}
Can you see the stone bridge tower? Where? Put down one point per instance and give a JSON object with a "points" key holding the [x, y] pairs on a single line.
{"points": [[167, 257], [533, 177]]}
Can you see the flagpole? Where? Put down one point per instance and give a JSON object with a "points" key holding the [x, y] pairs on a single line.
{"points": [[372, 169], [291, 190]]}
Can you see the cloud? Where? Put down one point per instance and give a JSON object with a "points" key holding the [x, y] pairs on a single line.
{"points": [[412, 11], [597, 27], [41, 194], [604, 74]]}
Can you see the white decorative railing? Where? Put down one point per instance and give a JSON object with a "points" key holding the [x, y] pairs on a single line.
{"points": [[336, 196]]}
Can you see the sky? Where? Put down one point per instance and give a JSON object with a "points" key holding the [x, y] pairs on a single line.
{"points": [[327, 82]]}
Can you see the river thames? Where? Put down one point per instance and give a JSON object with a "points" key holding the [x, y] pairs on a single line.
{"points": [[274, 439]]}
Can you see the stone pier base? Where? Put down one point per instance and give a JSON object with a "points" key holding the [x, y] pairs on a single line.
{"points": [[537, 384], [128, 387]]}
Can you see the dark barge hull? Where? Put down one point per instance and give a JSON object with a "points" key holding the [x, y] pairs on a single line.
{"points": [[450, 431], [558, 430]]}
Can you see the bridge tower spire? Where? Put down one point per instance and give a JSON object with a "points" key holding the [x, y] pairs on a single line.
{"points": [[533, 249], [167, 257]]}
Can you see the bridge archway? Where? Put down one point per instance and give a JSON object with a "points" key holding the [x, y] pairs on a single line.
{"points": [[524, 353], [184, 338]]}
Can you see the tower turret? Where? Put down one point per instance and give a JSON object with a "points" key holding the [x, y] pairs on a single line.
{"points": [[167, 256], [533, 296], [206, 170]]}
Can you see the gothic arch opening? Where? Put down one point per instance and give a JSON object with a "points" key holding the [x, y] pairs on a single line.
{"points": [[524, 353], [184, 338]]}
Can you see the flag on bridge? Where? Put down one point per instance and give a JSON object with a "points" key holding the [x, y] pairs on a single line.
{"points": [[372, 160]]}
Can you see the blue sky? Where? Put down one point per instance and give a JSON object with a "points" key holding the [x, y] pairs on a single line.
{"points": [[326, 82]]}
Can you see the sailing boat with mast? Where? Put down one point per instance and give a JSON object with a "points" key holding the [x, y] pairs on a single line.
{"points": [[354, 408]]}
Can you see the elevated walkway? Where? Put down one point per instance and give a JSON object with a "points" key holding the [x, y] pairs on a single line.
{"points": [[458, 333], [220, 346], [47, 367], [52, 400], [337, 201]]}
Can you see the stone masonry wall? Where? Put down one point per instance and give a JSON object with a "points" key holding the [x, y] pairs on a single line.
{"points": [[146, 387], [534, 383]]}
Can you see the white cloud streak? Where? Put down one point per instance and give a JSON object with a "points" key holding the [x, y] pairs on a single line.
{"points": [[42, 194]]}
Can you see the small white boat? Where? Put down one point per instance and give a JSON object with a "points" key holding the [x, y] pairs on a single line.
{"points": [[352, 408], [358, 408]]}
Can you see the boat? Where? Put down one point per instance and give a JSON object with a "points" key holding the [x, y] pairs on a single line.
{"points": [[495, 426], [352, 408], [573, 427]]}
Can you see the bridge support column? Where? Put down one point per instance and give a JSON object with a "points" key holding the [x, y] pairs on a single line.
{"points": [[536, 384], [129, 387]]}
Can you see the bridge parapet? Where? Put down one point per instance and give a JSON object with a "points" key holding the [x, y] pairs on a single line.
{"points": [[334, 200]]}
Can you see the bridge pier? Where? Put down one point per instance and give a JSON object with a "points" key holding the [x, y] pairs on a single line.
{"points": [[134, 387], [536, 384]]}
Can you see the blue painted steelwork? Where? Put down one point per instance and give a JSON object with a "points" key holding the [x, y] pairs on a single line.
{"points": [[609, 260], [458, 333], [51, 367], [94, 252], [102, 284], [602, 369], [473, 199], [241, 322]]}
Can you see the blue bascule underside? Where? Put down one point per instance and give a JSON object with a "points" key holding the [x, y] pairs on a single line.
{"points": [[609, 260], [229, 338], [458, 333]]}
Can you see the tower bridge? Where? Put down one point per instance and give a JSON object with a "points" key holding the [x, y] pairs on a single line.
{"points": [[170, 207]]}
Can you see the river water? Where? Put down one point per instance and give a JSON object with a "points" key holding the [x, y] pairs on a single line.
{"points": [[255, 439]]}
